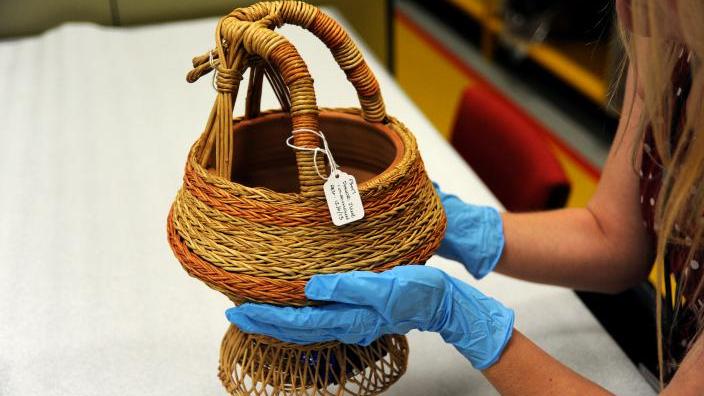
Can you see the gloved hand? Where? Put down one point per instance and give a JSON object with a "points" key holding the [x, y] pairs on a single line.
{"points": [[474, 235], [366, 305]]}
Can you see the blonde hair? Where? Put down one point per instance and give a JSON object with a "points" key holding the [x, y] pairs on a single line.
{"points": [[680, 204]]}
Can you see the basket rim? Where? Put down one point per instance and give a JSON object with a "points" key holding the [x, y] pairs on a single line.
{"points": [[389, 134], [392, 174]]}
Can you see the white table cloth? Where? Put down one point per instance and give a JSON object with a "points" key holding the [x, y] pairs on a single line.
{"points": [[95, 125]]}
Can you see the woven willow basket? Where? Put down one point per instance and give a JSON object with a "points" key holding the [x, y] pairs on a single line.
{"points": [[251, 220]]}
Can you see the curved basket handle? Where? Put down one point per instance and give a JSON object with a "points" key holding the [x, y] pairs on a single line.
{"points": [[239, 45], [247, 33], [343, 49], [259, 69]]}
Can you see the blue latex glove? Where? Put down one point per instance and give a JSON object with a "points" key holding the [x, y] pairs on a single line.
{"points": [[366, 305], [474, 235]]}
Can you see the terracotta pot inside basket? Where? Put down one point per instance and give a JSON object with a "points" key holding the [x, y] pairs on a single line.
{"points": [[262, 158]]}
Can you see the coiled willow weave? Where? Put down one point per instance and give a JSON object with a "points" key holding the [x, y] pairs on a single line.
{"points": [[254, 235]]}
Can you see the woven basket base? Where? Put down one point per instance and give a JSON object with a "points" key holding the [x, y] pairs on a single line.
{"points": [[258, 365]]}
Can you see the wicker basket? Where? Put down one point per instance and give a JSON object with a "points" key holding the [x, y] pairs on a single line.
{"points": [[251, 220]]}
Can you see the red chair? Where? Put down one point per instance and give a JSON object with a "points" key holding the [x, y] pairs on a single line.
{"points": [[508, 150]]}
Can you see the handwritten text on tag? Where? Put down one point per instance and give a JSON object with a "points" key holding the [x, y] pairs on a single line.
{"points": [[343, 198]]}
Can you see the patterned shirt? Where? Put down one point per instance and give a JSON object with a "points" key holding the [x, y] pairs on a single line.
{"points": [[679, 320]]}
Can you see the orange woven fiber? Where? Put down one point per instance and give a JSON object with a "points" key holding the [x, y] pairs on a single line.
{"points": [[251, 221]]}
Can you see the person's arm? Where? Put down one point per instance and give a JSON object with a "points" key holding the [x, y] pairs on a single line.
{"points": [[525, 369], [603, 247], [361, 306], [689, 379]]}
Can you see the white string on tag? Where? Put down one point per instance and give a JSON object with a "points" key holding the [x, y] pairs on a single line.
{"points": [[315, 150], [341, 191]]}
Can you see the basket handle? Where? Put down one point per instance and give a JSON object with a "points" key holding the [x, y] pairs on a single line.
{"points": [[247, 33], [239, 45], [258, 70], [276, 50], [343, 49]]}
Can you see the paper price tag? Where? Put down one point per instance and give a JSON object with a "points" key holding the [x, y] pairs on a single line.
{"points": [[343, 198]]}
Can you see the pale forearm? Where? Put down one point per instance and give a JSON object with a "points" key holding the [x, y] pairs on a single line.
{"points": [[568, 247], [603, 247], [525, 369], [689, 379]]}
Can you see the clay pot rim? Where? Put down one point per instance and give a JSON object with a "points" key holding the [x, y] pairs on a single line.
{"points": [[380, 128], [394, 130]]}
